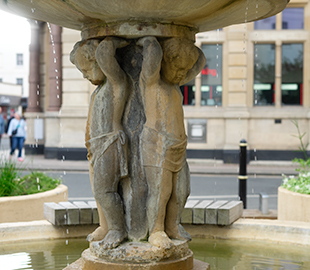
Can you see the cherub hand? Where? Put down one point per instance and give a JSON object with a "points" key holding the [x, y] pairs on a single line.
{"points": [[142, 40]]}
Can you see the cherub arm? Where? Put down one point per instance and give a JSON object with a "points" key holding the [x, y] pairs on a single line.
{"points": [[152, 56], [197, 67], [105, 57]]}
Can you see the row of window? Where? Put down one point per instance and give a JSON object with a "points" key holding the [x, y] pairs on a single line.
{"points": [[264, 76], [292, 18]]}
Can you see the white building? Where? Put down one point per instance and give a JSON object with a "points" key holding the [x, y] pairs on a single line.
{"points": [[14, 60]]}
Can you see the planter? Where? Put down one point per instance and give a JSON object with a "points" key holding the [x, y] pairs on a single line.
{"points": [[293, 206], [29, 207]]}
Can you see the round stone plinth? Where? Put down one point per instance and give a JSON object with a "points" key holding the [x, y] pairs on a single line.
{"points": [[136, 29], [90, 262], [139, 252]]}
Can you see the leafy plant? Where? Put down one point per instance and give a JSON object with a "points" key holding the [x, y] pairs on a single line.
{"points": [[301, 182], [12, 184], [36, 182], [9, 183]]}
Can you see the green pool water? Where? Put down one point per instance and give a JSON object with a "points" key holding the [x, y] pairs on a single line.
{"points": [[220, 254]]}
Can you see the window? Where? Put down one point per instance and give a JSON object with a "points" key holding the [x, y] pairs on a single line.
{"points": [[264, 74], [211, 75], [20, 81], [265, 24], [19, 59], [292, 74], [293, 18], [188, 91]]}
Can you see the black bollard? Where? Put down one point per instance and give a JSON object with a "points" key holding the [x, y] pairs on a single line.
{"points": [[242, 172]]}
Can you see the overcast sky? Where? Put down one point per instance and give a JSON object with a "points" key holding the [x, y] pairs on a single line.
{"points": [[14, 29]]}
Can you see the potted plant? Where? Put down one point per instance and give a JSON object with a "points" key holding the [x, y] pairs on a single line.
{"points": [[294, 193], [22, 198]]}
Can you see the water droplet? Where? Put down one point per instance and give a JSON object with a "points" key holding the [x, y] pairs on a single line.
{"points": [[38, 187], [33, 10], [56, 70], [38, 180], [57, 96], [65, 173], [63, 157], [37, 102], [55, 60], [67, 242], [65, 216], [38, 92], [67, 231], [38, 86]]}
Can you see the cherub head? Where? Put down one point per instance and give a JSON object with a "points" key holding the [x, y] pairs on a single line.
{"points": [[83, 56], [179, 56]]}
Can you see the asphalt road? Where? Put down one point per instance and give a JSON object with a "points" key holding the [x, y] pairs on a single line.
{"points": [[216, 187]]}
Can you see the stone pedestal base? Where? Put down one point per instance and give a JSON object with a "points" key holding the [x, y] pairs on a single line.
{"points": [[89, 262]]}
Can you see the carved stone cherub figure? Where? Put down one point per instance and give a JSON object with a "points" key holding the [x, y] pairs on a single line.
{"points": [[163, 138], [105, 139]]}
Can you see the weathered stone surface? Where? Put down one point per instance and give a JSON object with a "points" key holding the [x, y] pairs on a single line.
{"points": [[187, 214], [90, 262], [55, 213], [199, 212], [139, 252], [203, 14], [198, 265], [93, 205], [85, 212], [212, 212], [229, 212], [73, 213]]}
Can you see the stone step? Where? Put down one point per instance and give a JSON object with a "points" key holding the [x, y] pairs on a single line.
{"points": [[195, 212]]}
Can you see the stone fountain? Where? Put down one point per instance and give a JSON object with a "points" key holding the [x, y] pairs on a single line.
{"points": [[138, 53]]}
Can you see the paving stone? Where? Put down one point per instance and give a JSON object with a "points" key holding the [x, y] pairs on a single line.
{"points": [[211, 211], [73, 213], [93, 205], [86, 213], [55, 213], [229, 213], [187, 214], [199, 211]]}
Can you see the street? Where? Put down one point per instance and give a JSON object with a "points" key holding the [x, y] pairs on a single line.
{"points": [[216, 187]]}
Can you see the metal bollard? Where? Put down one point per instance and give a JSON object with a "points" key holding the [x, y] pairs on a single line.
{"points": [[263, 203], [242, 172]]}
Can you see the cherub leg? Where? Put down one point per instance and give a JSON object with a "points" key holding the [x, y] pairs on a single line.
{"points": [[180, 192], [106, 179], [102, 230], [160, 184]]}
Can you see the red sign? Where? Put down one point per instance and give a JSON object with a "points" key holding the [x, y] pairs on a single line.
{"points": [[208, 71]]}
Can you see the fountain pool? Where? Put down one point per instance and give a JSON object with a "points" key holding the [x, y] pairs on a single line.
{"points": [[220, 254]]}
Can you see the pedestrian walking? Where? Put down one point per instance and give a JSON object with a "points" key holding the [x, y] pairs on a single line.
{"points": [[1, 125], [17, 129], [8, 124]]}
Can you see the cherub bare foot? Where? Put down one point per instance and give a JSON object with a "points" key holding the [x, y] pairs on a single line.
{"points": [[113, 239], [97, 235], [161, 240], [179, 233]]}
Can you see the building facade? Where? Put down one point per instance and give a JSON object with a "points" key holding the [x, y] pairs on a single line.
{"points": [[14, 64], [255, 82]]}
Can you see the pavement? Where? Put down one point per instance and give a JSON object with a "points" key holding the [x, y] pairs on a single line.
{"points": [[197, 166]]}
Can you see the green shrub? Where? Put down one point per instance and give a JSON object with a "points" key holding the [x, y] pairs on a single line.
{"points": [[11, 184], [301, 182], [36, 182]]}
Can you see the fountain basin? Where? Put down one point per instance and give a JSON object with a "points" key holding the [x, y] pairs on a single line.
{"points": [[29, 207], [148, 16]]}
